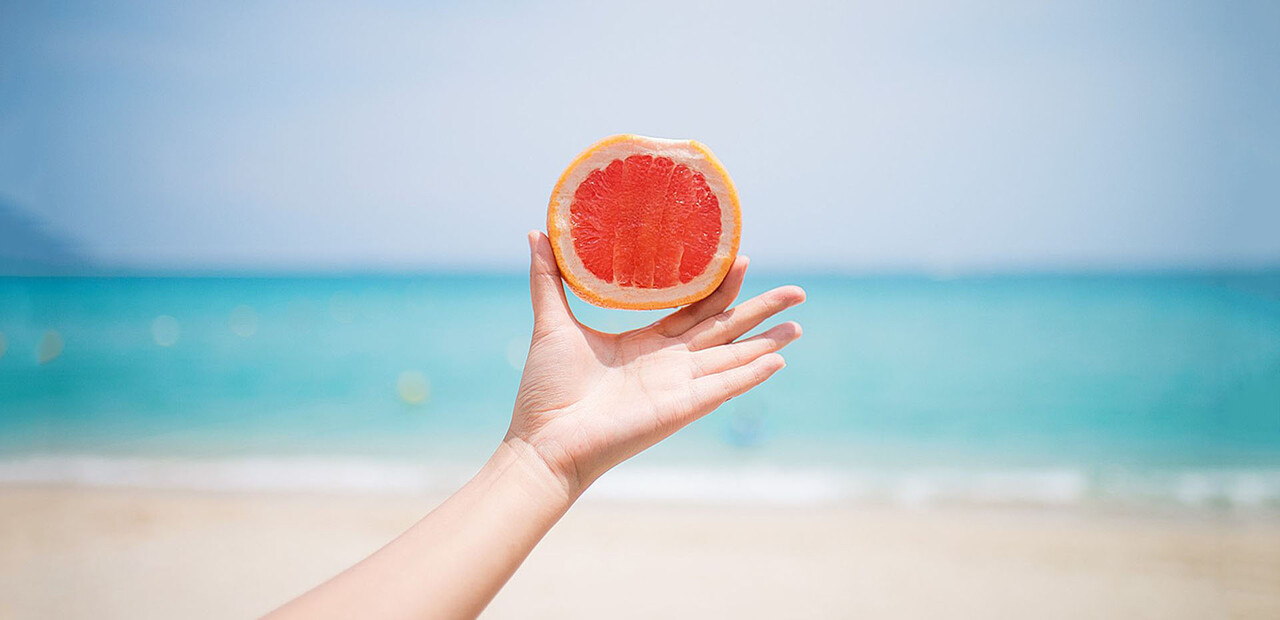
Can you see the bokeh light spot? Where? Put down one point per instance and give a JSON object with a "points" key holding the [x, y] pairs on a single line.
{"points": [[517, 349], [165, 330], [342, 307], [244, 321], [50, 347], [746, 429], [413, 387]]}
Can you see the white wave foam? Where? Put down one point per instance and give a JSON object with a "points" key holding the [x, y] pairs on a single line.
{"points": [[721, 486], [246, 474], [678, 484], [1048, 487]]}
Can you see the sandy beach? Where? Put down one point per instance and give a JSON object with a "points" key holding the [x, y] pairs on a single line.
{"points": [[70, 552]]}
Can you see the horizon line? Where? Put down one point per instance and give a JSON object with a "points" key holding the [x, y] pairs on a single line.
{"points": [[457, 271]]}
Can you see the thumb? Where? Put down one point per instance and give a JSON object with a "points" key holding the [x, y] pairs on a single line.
{"points": [[550, 307]]}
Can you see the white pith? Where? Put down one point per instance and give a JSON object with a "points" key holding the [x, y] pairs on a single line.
{"points": [[680, 152]]}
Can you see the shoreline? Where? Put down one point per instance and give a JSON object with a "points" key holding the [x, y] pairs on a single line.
{"points": [[1225, 490], [76, 552]]}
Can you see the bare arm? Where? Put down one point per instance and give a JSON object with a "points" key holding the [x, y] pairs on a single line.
{"points": [[587, 401]]}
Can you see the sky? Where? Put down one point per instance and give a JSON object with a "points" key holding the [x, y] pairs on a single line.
{"points": [[936, 136]]}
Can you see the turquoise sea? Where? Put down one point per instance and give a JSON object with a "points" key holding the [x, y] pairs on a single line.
{"points": [[1050, 389]]}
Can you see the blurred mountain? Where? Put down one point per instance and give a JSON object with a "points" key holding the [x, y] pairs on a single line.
{"points": [[28, 246]]}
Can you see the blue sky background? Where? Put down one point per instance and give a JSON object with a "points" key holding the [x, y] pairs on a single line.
{"points": [[910, 135]]}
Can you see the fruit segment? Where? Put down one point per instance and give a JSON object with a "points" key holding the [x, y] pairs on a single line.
{"points": [[645, 222]]}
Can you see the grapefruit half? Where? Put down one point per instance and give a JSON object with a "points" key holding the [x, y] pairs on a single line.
{"points": [[644, 223]]}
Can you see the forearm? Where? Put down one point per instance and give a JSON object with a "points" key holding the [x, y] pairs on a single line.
{"points": [[452, 562], [587, 400]]}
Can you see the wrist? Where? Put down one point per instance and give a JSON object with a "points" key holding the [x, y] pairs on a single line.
{"points": [[517, 455]]}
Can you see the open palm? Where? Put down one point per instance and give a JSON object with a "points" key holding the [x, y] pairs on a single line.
{"points": [[589, 400]]}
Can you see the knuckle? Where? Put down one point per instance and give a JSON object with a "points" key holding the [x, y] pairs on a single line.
{"points": [[723, 319], [696, 366], [759, 372]]}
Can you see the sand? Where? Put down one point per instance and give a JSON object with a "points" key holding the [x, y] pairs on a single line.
{"points": [[95, 553]]}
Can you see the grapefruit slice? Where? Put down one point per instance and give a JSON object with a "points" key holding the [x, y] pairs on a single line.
{"points": [[644, 223]]}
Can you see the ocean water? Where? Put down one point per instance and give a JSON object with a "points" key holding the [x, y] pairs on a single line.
{"points": [[1057, 390]]}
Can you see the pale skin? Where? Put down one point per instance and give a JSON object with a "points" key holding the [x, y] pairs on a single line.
{"points": [[587, 401]]}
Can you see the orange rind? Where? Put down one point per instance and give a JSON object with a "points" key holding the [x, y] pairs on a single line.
{"points": [[644, 223]]}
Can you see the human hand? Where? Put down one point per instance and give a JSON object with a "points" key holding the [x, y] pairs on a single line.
{"points": [[589, 400]]}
